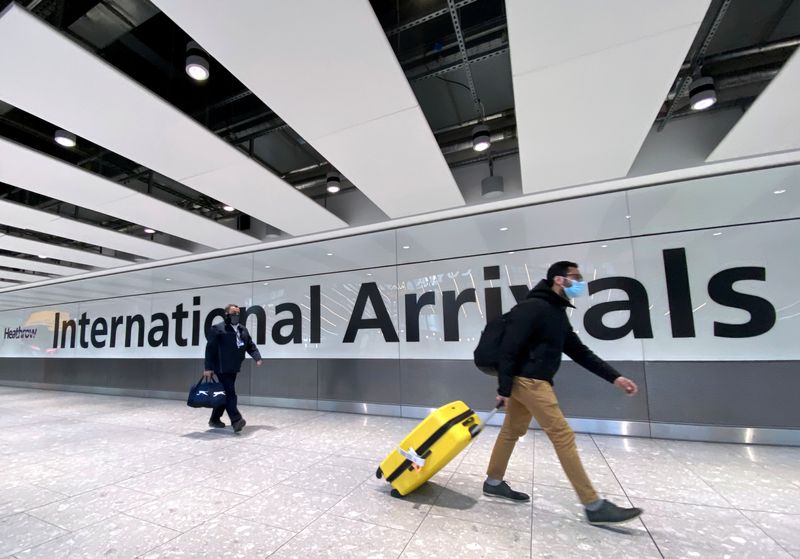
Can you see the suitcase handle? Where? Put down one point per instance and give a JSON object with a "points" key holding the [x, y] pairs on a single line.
{"points": [[475, 430]]}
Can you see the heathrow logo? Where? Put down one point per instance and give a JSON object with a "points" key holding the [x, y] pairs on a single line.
{"points": [[19, 333]]}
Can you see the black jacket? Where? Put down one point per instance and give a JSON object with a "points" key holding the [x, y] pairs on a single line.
{"points": [[223, 354], [536, 334]]}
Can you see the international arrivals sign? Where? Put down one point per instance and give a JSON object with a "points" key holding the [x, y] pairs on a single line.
{"points": [[404, 313]]}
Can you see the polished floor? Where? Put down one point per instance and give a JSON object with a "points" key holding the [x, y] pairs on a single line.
{"points": [[109, 477]]}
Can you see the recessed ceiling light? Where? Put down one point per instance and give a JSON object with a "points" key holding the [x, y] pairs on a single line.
{"points": [[406, 247], [603, 246], [511, 252], [268, 266], [504, 229], [169, 279], [330, 254], [228, 208], [717, 234], [42, 256], [369, 273], [266, 283], [196, 62], [627, 217], [149, 231], [781, 191], [66, 139]]}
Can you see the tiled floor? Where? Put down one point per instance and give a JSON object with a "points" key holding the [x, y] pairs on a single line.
{"points": [[97, 476]]}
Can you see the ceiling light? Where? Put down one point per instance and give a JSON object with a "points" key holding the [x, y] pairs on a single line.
{"points": [[169, 279], [492, 186], [702, 94], [266, 283], [66, 139], [504, 229], [42, 256], [406, 247], [268, 267], [781, 191], [717, 234], [334, 183], [228, 208], [369, 273], [480, 138], [330, 254], [149, 231], [603, 246], [511, 252], [196, 62]]}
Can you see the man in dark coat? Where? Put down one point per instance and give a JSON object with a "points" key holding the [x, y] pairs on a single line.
{"points": [[537, 333], [227, 343]]}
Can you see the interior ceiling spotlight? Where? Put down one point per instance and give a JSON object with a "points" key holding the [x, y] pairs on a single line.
{"points": [[149, 231], [702, 94], [197, 62], [66, 139], [228, 208], [480, 138], [492, 187], [334, 183]]}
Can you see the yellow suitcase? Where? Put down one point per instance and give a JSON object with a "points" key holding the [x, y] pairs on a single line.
{"points": [[430, 447]]}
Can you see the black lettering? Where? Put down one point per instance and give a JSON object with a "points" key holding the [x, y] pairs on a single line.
{"points": [[316, 314], [56, 324], [295, 322], [452, 305], [369, 292], [72, 326], [178, 316], [99, 328], [116, 322], [261, 321], [413, 308], [83, 323], [493, 296], [637, 306], [130, 321], [196, 322], [210, 319], [762, 313], [679, 295], [520, 292], [163, 330]]}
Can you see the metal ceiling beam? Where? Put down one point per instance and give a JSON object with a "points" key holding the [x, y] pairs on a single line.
{"points": [[451, 5], [424, 19]]}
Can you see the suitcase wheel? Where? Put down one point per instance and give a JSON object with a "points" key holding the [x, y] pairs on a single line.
{"points": [[396, 494], [378, 473]]}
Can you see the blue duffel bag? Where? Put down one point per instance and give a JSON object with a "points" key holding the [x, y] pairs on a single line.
{"points": [[206, 395]]}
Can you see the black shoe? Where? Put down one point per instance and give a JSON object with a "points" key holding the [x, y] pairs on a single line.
{"points": [[609, 513], [504, 492], [216, 423], [239, 425]]}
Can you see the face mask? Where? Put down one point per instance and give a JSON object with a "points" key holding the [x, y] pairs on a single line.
{"points": [[232, 319], [577, 289]]}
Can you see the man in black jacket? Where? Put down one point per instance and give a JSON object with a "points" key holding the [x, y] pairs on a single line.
{"points": [[536, 334], [227, 342]]}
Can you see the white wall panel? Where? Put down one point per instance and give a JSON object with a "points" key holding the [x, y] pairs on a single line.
{"points": [[575, 124], [19, 276], [339, 86], [65, 254], [716, 201], [95, 101], [24, 217]]}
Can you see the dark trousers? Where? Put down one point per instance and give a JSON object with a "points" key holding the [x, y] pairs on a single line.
{"points": [[228, 381]]}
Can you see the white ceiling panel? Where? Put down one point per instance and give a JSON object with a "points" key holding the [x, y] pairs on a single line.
{"points": [[65, 254], [38, 266], [19, 276], [338, 85], [23, 217], [96, 101], [772, 123], [589, 79], [4, 284], [37, 172]]}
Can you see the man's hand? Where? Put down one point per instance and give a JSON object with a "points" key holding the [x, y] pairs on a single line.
{"points": [[207, 375], [259, 362], [627, 385], [502, 401]]}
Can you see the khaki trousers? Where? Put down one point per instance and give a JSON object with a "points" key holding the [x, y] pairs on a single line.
{"points": [[532, 398]]}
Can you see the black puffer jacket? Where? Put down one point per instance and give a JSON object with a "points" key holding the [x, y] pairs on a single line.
{"points": [[223, 353], [536, 334]]}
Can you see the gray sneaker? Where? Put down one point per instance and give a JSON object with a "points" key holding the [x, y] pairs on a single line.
{"points": [[503, 491], [609, 513]]}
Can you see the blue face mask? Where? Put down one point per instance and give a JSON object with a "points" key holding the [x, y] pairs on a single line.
{"points": [[577, 289]]}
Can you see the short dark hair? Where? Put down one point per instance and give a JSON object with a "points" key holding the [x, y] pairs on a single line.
{"points": [[559, 269], [228, 307]]}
